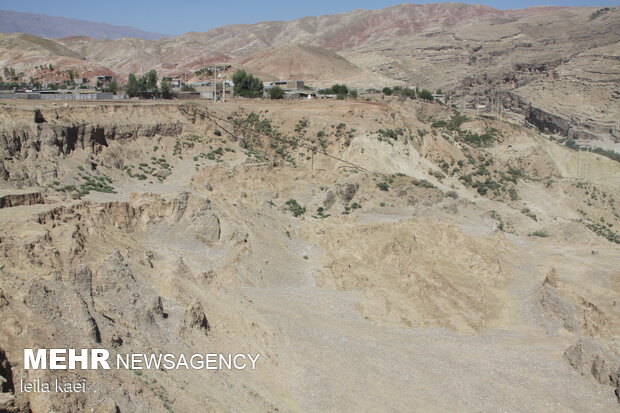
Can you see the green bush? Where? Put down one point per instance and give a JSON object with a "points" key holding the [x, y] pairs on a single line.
{"points": [[295, 208], [513, 194], [338, 89], [539, 233], [425, 95], [247, 85], [383, 186], [276, 92], [599, 13]]}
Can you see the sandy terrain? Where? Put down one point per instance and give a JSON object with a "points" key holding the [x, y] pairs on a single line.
{"points": [[404, 285]]}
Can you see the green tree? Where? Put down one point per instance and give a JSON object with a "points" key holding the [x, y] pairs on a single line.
{"points": [[144, 87], [408, 93], [338, 89], [247, 85], [276, 92], [425, 95], [150, 81], [166, 90], [132, 87], [387, 91], [112, 87], [353, 94]]}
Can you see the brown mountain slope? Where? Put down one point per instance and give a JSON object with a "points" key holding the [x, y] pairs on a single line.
{"points": [[32, 56], [20, 42], [315, 65], [559, 60], [336, 32]]}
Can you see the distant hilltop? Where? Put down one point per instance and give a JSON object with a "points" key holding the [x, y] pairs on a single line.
{"points": [[56, 27]]}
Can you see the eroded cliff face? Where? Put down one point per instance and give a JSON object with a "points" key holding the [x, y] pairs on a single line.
{"points": [[32, 142], [551, 122]]}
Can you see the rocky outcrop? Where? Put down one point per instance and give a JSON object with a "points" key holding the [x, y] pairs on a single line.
{"points": [[548, 122], [556, 309], [195, 320], [347, 191], [591, 359], [7, 387], [13, 200], [6, 374], [330, 199], [54, 299], [562, 307], [9, 403], [206, 224]]}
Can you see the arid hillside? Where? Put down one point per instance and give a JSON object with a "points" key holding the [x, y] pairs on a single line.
{"points": [[374, 254], [315, 65]]}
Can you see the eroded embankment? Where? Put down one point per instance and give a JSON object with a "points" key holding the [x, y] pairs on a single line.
{"points": [[32, 141]]}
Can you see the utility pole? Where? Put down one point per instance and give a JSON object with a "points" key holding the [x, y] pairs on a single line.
{"points": [[582, 158], [587, 157], [224, 88], [215, 84]]}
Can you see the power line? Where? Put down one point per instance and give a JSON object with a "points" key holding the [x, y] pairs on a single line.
{"points": [[206, 114]]}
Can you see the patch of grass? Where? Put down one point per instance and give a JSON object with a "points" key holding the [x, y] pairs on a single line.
{"points": [[96, 182], [320, 213], [539, 233], [603, 231], [295, 208], [480, 141], [513, 194], [423, 183]]}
